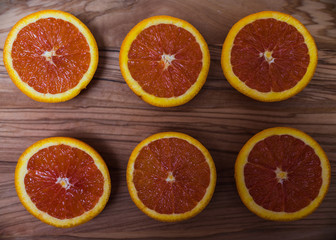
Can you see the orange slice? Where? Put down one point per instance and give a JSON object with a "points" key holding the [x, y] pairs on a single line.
{"points": [[62, 181], [50, 56], [171, 176], [164, 60], [269, 56], [282, 174]]}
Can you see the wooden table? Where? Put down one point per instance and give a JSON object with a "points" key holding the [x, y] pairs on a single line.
{"points": [[112, 119]]}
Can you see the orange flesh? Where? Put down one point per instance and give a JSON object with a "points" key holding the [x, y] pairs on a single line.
{"points": [[303, 174], [269, 55], [51, 55], [171, 175], [63, 181], [157, 74]]}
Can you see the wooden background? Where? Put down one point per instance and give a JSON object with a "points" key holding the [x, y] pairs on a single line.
{"points": [[109, 117]]}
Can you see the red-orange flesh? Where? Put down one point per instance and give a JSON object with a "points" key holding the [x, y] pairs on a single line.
{"points": [[289, 55], [171, 157], [58, 165], [151, 65], [290, 155], [51, 55]]}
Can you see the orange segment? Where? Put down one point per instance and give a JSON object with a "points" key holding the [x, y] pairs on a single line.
{"points": [[282, 174], [269, 56], [164, 60], [50, 55], [171, 176], [62, 181]]}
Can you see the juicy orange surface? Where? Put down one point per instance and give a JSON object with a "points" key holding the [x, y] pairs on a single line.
{"points": [[63, 181], [51, 55], [171, 175], [301, 169], [165, 60], [269, 55]]}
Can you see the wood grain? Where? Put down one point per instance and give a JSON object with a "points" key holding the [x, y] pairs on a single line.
{"points": [[109, 117]]}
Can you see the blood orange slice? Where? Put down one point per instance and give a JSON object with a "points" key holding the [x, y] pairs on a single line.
{"points": [[282, 174], [62, 181], [171, 176], [164, 60], [50, 55], [269, 56]]}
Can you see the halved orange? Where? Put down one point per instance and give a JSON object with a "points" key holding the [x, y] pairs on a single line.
{"points": [[282, 174], [164, 60], [269, 56], [171, 176], [62, 181], [50, 55]]}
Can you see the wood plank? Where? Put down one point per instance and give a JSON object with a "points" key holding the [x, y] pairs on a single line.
{"points": [[109, 117]]}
